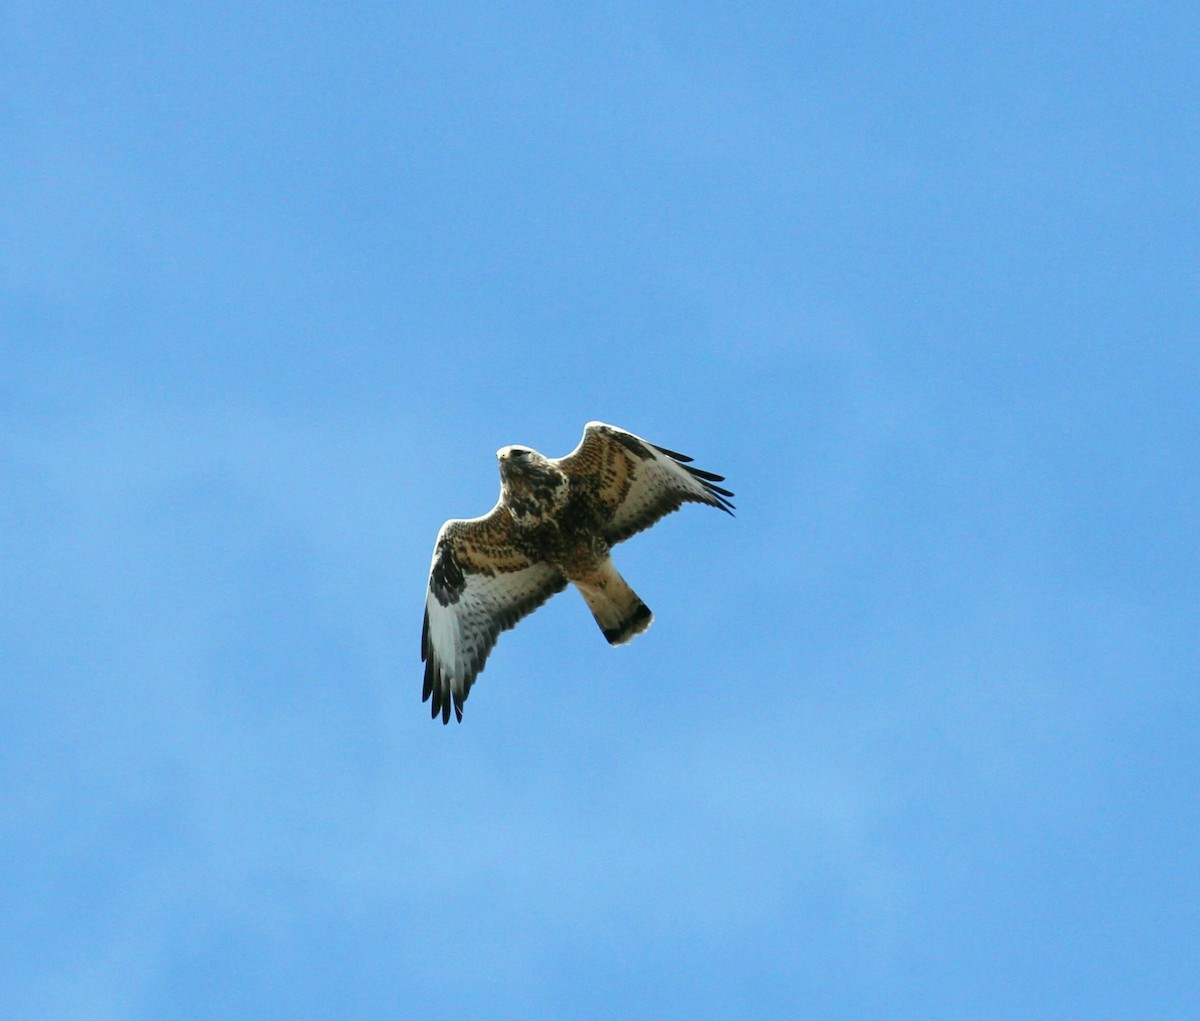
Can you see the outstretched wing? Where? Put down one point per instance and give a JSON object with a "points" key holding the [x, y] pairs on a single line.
{"points": [[479, 585], [634, 483]]}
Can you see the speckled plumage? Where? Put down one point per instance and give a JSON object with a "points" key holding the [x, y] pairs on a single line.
{"points": [[556, 522]]}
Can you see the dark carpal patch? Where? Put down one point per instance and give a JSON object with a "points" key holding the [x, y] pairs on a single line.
{"points": [[631, 443], [446, 580]]}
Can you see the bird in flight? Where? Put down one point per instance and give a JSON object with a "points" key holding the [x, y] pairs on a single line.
{"points": [[556, 522]]}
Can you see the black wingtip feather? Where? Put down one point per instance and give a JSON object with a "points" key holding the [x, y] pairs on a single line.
{"points": [[682, 458], [436, 693], [720, 495], [700, 473], [719, 500], [440, 696]]}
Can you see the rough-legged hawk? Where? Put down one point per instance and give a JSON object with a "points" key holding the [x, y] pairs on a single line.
{"points": [[555, 523]]}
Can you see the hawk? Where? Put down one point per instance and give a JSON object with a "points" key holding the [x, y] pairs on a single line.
{"points": [[556, 522]]}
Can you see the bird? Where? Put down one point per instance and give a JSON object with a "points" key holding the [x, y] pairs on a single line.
{"points": [[556, 522]]}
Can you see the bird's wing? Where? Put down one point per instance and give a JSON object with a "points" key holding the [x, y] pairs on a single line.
{"points": [[634, 483], [479, 585]]}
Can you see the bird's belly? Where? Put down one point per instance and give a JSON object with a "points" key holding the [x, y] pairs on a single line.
{"points": [[580, 560], [577, 553]]}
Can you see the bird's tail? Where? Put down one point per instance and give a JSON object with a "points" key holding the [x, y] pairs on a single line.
{"points": [[616, 607]]}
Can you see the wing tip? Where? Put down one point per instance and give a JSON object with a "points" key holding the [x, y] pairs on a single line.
{"points": [[439, 691], [681, 458], [441, 705], [719, 496]]}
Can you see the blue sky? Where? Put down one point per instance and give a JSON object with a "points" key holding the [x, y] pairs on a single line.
{"points": [[914, 736]]}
